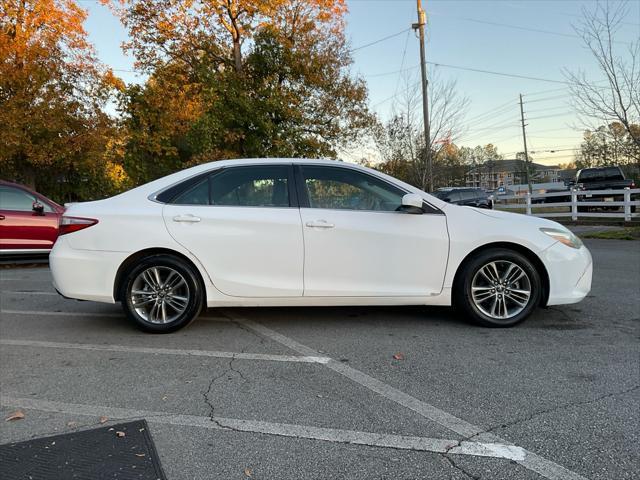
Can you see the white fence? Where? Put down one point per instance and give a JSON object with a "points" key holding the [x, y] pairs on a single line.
{"points": [[581, 205]]}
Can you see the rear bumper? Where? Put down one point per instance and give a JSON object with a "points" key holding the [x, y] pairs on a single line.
{"points": [[84, 274], [570, 273]]}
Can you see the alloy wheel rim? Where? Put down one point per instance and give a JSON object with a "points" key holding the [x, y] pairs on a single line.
{"points": [[501, 289], [159, 295]]}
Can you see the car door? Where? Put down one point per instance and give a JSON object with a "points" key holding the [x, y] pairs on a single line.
{"points": [[358, 244], [21, 228], [243, 225]]}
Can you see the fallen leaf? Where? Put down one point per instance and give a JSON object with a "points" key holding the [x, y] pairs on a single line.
{"points": [[120, 434], [140, 455], [248, 472], [72, 424], [17, 415], [399, 356]]}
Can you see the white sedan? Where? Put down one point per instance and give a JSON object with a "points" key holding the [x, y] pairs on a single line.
{"points": [[290, 232]]}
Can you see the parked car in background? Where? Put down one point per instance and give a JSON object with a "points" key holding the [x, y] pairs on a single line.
{"points": [[28, 221], [296, 232], [468, 197], [601, 178]]}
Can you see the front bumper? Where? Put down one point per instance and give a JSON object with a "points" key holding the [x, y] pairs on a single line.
{"points": [[570, 272]]}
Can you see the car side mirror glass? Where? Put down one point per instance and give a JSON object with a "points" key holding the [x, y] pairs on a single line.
{"points": [[38, 208], [412, 203]]}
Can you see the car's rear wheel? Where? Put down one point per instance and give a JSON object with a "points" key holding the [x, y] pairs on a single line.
{"points": [[499, 288], [162, 294]]}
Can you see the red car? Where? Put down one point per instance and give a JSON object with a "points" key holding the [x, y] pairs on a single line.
{"points": [[28, 220]]}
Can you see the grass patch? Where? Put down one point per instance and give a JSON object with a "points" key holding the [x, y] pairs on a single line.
{"points": [[628, 233]]}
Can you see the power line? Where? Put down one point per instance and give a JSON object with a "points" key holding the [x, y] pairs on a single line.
{"points": [[493, 111], [474, 136], [404, 54], [507, 25], [395, 95], [392, 72], [546, 99], [379, 40], [540, 92], [503, 74], [548, 109], [551, 116]]}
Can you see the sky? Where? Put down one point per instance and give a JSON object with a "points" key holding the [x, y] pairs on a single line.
{"points": [[516, 37]]}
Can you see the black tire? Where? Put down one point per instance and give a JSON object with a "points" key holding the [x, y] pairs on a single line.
{"points": [[192, 290], [463, 288]]}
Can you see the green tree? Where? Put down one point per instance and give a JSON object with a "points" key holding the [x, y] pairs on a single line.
{"points": [[211, 95]]}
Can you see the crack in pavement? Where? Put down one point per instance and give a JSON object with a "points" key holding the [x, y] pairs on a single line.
{"points": [[452, 462], [230, 368], [245, 329], [549, 410]]}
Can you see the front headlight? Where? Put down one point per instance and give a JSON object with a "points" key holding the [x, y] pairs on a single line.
{"points": [[563, 236]]}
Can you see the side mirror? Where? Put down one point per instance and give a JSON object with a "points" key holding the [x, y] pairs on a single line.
{"points": [[37, 208], [412, 203]]}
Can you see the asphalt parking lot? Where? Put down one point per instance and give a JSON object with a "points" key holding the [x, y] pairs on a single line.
{"points": [[290, 393]]}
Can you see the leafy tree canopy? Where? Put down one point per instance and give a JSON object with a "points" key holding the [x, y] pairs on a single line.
{"points": [[238, 78], [55, 134]]}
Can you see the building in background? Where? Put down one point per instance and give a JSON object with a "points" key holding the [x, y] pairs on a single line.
{"points": [[494, 174]]}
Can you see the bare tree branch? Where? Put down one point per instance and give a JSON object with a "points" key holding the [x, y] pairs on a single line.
{"points": [[619, 100]]}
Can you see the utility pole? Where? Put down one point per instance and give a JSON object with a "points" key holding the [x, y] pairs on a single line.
{"points": [[425, 99], [524, 139]]}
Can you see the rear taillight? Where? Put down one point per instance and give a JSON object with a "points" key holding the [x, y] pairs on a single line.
{"points": [[73, 224]]}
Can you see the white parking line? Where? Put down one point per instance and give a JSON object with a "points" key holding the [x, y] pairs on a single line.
{"points": [[424, 444], [531, 461], [17, 279], [91, 314], [166, 351], [25, 292], [61, 314]]}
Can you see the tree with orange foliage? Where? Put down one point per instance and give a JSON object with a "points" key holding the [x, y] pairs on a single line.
{"points": [[238, 78], [54, 132]]}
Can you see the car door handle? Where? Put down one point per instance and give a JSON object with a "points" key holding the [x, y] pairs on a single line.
{"points": [[188, 218], [320, 224]]}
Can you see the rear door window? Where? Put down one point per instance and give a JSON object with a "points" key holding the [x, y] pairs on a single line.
{"points": [[246, 186], [259, 186]]}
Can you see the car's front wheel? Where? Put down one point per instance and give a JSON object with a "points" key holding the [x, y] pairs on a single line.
{"points": [[499, 288], [162, 294]]}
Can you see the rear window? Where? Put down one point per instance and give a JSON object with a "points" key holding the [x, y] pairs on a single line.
{"points": [[601, 174]]}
